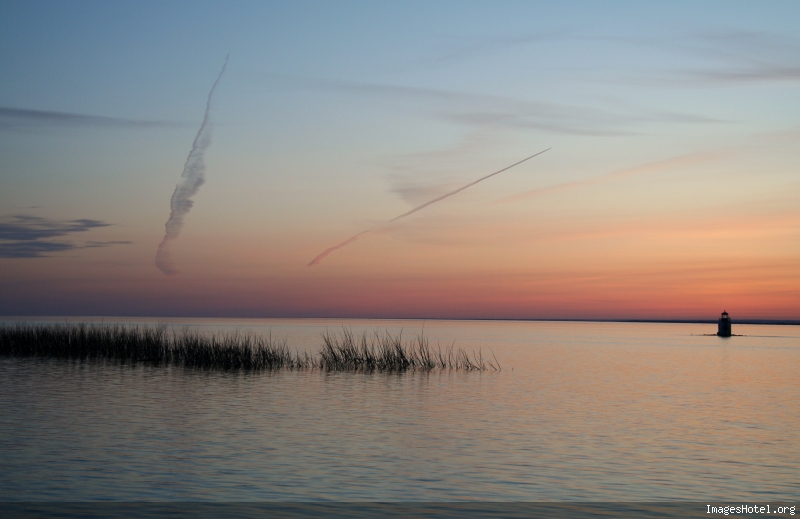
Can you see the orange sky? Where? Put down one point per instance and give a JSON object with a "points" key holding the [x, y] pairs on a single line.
{"points": [[671, 189]]}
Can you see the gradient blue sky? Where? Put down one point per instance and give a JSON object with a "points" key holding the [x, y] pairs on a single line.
{"points": [[671, 190]]}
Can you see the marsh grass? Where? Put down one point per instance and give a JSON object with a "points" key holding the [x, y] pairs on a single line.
{"points": [[234, 351], [386, 352]]}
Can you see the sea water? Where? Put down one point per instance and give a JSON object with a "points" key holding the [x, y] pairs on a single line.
{"points": [[581, 411]]}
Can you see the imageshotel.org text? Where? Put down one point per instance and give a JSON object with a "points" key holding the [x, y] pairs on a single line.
{"points": [[750, 509]]}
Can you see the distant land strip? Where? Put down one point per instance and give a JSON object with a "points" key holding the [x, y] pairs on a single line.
{"points": [[10, 319], [787, 322]]}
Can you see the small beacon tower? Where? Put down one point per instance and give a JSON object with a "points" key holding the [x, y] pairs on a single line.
{"points": [[724, 328]]}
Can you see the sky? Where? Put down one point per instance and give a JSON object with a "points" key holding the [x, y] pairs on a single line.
{"points": [[670, 188]]}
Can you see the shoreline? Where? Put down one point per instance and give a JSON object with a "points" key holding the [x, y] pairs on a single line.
{"points": [[167, 319]]}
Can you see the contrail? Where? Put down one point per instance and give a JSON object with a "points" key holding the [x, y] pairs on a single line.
{"points": [[193, 177], [318, 259], [652, 167], [348, 241], [462, 188]]}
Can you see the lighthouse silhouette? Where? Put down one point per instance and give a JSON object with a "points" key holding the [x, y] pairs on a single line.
{"points": [[724, 327]]}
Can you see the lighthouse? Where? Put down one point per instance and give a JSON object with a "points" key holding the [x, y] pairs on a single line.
{"points": [[724, 328]]}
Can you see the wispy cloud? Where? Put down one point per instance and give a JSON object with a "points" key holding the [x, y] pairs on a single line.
{"points": [[613, 176], [718, 58], [24, 236], [423, 175], [32, 249], [21, 118], [736, 55], [94, 244], [29, 228], [459, 49], [192, 178], [719, 76], [483, 111], [721, 56], [715, 57]]}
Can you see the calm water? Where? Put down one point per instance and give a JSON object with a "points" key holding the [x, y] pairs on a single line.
{"points": [[580, 411]]}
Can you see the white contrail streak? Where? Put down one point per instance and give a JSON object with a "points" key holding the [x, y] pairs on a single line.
{"points": [[318, 259], [462, 188], [192, 178]]}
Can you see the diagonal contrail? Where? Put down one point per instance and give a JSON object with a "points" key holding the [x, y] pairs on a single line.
{"points": [[348, 241], [462, 188], [318, 259], [192, 178]]}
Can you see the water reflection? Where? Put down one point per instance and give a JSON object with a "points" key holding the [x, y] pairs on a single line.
{"points": [[588, 411]]}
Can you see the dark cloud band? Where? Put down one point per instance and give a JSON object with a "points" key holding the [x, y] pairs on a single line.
{"points": [[13, 118], [25, 236]]}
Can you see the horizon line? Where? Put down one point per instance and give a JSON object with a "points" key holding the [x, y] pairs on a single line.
{"points": [[745, 320]]}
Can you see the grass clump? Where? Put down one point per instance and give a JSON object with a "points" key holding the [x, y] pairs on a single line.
{"points": [[236, 351], [385, 352], [145, 344]]}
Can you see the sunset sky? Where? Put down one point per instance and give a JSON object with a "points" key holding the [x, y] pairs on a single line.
{"points": [[672, 189]]}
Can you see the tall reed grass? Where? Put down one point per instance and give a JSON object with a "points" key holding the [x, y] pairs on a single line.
{"points": [[234, 351], [386, 352]]}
